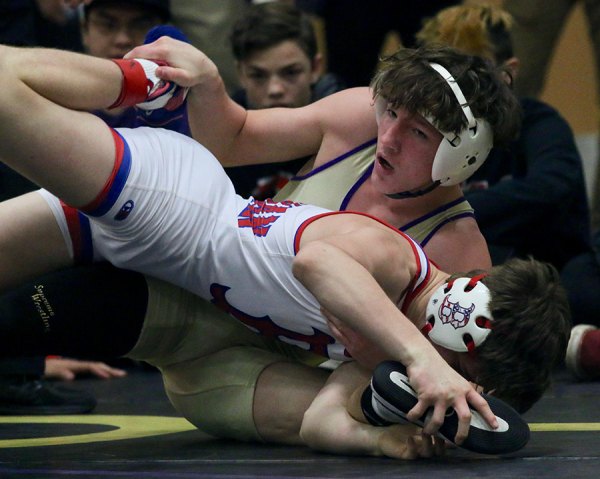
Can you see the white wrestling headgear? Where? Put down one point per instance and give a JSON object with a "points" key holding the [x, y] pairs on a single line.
{"points": [[458, 156], [458, 315]]}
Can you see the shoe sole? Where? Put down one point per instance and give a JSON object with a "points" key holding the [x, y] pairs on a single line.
{"points": [[572, 356], [392, 390]]}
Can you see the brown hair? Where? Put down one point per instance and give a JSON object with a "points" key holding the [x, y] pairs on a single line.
{"points": [[530, 331], [265, 25], [406, 80]]}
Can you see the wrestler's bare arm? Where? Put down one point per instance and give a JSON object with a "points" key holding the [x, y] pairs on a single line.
{"points": [[236, 136], [328, 425], [358, 274]]}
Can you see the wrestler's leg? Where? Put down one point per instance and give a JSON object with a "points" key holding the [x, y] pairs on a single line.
{"points": [[211, 365], [70, 153], [31, 242], [284, 391]]}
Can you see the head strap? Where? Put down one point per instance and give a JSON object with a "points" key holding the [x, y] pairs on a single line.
{"points": [[458, 156]]}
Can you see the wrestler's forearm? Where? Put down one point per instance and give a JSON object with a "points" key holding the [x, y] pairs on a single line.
{"points": [[72, 80], [327, 424], [240, 137], [234, 135], [215, 119], [348, 290]]}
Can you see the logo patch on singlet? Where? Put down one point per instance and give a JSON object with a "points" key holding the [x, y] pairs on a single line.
{"points": [[260, 215], [125, 210], [317, 342]]}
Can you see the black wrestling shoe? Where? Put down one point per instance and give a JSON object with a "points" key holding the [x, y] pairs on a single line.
{"points": [[394, 397], [33, 397]]}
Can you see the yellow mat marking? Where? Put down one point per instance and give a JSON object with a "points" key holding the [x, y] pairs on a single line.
{"points": [[132, 427], [128, 427], [564, 426]]}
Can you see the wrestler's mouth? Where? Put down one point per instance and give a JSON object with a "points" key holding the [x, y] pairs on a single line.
{"points": [[384, 163]]}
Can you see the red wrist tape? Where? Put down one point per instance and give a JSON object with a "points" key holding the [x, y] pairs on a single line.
{"points": [[134, 87]]}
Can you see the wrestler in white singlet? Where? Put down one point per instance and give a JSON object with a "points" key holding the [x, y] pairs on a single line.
{"points": [[170, 211]]}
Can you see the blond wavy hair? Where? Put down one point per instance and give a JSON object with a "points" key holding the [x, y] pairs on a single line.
{"points": [[482, 30]]}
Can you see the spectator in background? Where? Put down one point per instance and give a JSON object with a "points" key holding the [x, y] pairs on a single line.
{"points": [[537, 29], [581, 278], [278, 65], [110, 28], [47, 23]]}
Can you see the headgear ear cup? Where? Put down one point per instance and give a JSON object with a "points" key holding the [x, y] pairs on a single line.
{"points": [[453, 311], [458, 156]]}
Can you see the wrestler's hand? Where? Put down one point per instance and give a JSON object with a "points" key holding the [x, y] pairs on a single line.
{"points": [[405, 442], [186, 65], [440, 387], [68, 369]]}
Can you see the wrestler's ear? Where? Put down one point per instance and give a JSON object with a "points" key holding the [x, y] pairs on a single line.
{"points": [[512, 66], [316, 68]]}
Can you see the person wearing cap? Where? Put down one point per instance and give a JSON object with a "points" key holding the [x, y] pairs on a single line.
{"points": [[159, 203]]}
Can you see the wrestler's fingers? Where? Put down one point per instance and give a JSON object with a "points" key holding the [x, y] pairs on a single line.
{"points": [[463, 413], [435, 419], [478, 403]]}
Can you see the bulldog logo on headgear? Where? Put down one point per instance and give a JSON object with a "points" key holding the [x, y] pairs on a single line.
{"points": [[454, 314], [457, 327]]}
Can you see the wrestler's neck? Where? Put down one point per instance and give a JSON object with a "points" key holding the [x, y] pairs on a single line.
{"points": [[401, 211]]}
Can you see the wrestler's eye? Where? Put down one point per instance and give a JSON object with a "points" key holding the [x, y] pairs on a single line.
{"points": [[292, 73], [257, 76], [420, 133]]}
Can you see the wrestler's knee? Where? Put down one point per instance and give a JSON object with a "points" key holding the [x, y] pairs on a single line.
{"points": [[31, 242]]}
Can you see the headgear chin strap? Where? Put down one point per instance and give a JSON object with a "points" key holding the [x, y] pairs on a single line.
{"points": [[458, 156], [423, 190], [458, 314]]}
